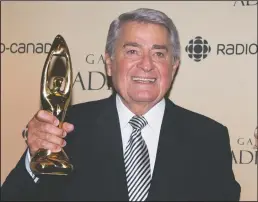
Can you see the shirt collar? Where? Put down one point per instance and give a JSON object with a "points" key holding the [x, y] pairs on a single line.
{"points": [[154, 116], [123, 112]]}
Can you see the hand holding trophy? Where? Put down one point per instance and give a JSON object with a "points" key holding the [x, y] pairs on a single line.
{"points": [[55, 97]]}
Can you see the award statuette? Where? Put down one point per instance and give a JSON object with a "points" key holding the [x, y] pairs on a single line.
{"points": [[55, 94]]}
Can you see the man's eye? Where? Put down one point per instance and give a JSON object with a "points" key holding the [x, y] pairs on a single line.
{"points": [[159, 54], [131, 52]]}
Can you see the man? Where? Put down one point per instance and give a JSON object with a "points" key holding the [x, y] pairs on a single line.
{"points": [[136, 145]]}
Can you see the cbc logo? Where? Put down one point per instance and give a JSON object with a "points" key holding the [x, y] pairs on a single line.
{"points": [[198, 49]]}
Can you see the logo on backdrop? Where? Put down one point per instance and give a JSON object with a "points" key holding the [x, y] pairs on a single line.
{"points": [[198, 49], [87, 80], [25, 48], [94, 59], [248, 154], [245, 3]]}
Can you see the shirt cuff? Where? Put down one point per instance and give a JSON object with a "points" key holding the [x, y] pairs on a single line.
{"points": [[27, 165]]}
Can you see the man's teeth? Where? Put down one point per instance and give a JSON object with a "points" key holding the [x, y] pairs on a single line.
{"points": [[139, 79]]}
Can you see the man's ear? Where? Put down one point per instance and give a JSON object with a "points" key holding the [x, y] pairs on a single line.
{"points": [[176, 65], [108, 64]]}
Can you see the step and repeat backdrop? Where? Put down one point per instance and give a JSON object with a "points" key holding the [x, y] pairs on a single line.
{"points": [[217, 76]]}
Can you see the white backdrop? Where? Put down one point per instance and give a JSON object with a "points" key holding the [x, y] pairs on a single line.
{"points": [[221, 86]]}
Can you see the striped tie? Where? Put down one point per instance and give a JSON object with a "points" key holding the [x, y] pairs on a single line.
{"points": [[137, 162]]}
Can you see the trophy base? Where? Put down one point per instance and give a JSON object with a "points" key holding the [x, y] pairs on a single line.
{"points": [[46, 162]]}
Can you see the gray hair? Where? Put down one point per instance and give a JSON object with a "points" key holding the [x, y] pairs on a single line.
{"points": [[148, 16]]}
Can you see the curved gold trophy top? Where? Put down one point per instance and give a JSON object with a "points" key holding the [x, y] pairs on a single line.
{"points": [[54, 99]]}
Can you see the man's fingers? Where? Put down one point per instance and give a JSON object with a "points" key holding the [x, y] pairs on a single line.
{"points": [[44, 116], [43, 132], [68, 127], [53, 139], [48, 128], [48, 145], [40, 143]]}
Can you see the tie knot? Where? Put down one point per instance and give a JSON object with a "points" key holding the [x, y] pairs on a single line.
{"points": [[138, 122]]}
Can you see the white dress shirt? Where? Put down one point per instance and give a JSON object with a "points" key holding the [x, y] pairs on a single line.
{"points": [[27, 165], [150, 132]]}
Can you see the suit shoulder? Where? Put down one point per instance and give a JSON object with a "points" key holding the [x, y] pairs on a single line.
{"points": [[90, 105], [88, 109], [200, 126], [197, 119]]}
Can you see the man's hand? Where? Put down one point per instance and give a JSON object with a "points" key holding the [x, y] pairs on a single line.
{"points": [[43, 132]]}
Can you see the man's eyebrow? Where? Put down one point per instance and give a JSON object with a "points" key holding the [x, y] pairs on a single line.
{"points": [[156, 46], [134, 44]]}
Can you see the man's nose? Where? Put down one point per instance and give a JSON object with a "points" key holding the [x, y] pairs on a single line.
{"points": [[146, 63]]}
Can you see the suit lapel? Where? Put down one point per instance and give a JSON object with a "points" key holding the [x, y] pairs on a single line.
{"points": [[170, 165], [110, 145]]}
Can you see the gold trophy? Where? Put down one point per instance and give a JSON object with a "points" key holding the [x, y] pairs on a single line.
{"points": [[55, 94]]}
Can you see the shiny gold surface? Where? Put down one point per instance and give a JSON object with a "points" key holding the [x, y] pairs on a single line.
{"points": [[55, 95]]}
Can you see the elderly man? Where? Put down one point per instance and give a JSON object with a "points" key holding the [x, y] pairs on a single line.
{"points": [[136, 145]]}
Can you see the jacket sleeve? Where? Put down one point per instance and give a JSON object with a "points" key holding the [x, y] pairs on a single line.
{"points": [[220, 182], [19, 184], [230, 188]]}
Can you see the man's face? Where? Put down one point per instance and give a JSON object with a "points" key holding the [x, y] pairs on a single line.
{"points": [[142, 68]]}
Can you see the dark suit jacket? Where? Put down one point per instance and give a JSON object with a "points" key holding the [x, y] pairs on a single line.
{"points": [[193, 160]]}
